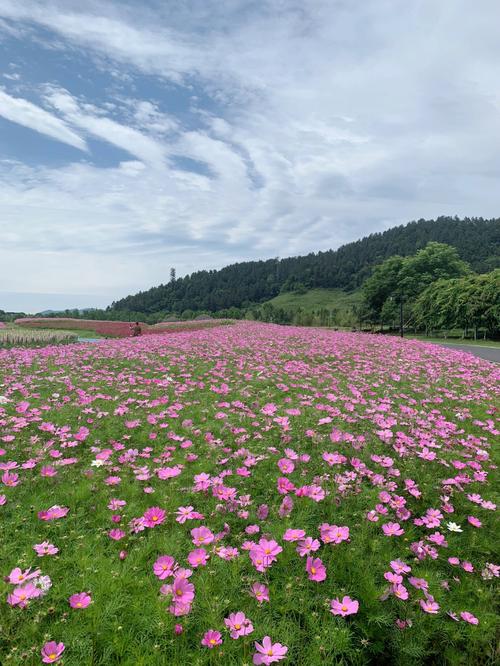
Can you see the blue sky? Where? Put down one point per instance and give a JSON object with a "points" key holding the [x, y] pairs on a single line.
{"points": [[139, 136]]}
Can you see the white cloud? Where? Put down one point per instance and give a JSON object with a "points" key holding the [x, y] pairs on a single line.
{"points": [[23, 112], [89, 118], [334, 120]]}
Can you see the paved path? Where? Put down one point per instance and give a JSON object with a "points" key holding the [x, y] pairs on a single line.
{"points": [[488, 353]]}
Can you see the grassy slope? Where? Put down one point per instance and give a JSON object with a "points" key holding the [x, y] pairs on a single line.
{"points": [[317, 298], [456, 341]]}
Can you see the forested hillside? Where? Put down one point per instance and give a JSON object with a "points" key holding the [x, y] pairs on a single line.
{"points": [[476, 239]]}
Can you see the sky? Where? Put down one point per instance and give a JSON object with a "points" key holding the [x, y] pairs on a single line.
{"points": [[140, 136]]}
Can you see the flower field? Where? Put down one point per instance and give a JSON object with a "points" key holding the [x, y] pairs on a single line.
{"points": [[248, 494]]}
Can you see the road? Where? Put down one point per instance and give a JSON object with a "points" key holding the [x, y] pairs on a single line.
{"points": [[488, 353]]}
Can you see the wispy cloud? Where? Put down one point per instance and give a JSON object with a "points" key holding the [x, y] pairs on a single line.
{"points": [[106, 129], [25, 113]]}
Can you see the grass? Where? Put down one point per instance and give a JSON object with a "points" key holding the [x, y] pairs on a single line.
{"points": [[81, 333], [198, 400], [315, 299], [455, 341]]}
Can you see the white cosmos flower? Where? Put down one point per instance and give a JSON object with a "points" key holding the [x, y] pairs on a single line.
{"points": [[3, 400], [44, 583], [453, 527], [97, 463]]}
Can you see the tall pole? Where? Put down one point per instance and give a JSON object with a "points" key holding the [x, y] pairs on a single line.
{"points": [[401, 321]]}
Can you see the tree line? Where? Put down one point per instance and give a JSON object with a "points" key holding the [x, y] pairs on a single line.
{"points": [[245, 284]]}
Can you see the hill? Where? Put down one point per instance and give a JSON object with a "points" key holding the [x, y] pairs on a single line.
{"points": [[240, 285], [315, 299]]}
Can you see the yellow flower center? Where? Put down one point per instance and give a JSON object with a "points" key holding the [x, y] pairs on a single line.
{"points": [[179, 593], [269, 653], [344, 608], [52, 656], [313, 570], [237, 626], [213, 641]]}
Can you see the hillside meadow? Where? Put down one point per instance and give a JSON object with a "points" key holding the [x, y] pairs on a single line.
{"points": [[248, 494]]}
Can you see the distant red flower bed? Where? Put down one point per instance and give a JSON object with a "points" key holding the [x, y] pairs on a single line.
{"points": [[119, 329]]}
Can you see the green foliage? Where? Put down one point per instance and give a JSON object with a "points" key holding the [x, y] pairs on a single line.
{"points": [[406, 277], [469, 302]]}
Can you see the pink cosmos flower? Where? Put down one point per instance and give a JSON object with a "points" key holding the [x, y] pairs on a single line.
{"points": [[262, 512], [238, 625], [293, 535], [392, 529], [184, 513], [45, 548], [51, 652], [252, 529], [468, 617], [9, 479], [164, 567], [182, 591], [418, 583], [270, 549], [286, 466], [258, 558], [211, 639], [260, 592], [490, 571], [198, 557], [285, 485], [115, 504], [333, 533], [475, 522], [202, 536], [21, 595], [316, 569], [400, 592], [116, 534], [269, 652], [345, 607], [429, 605], [80, 600], [18, 576], [53, 513], [307, 545], [154, 516], [400, 567], [393, 578], [227, 553]]}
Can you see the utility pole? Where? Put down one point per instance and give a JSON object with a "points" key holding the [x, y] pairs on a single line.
{"points": [[401, 320]]}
